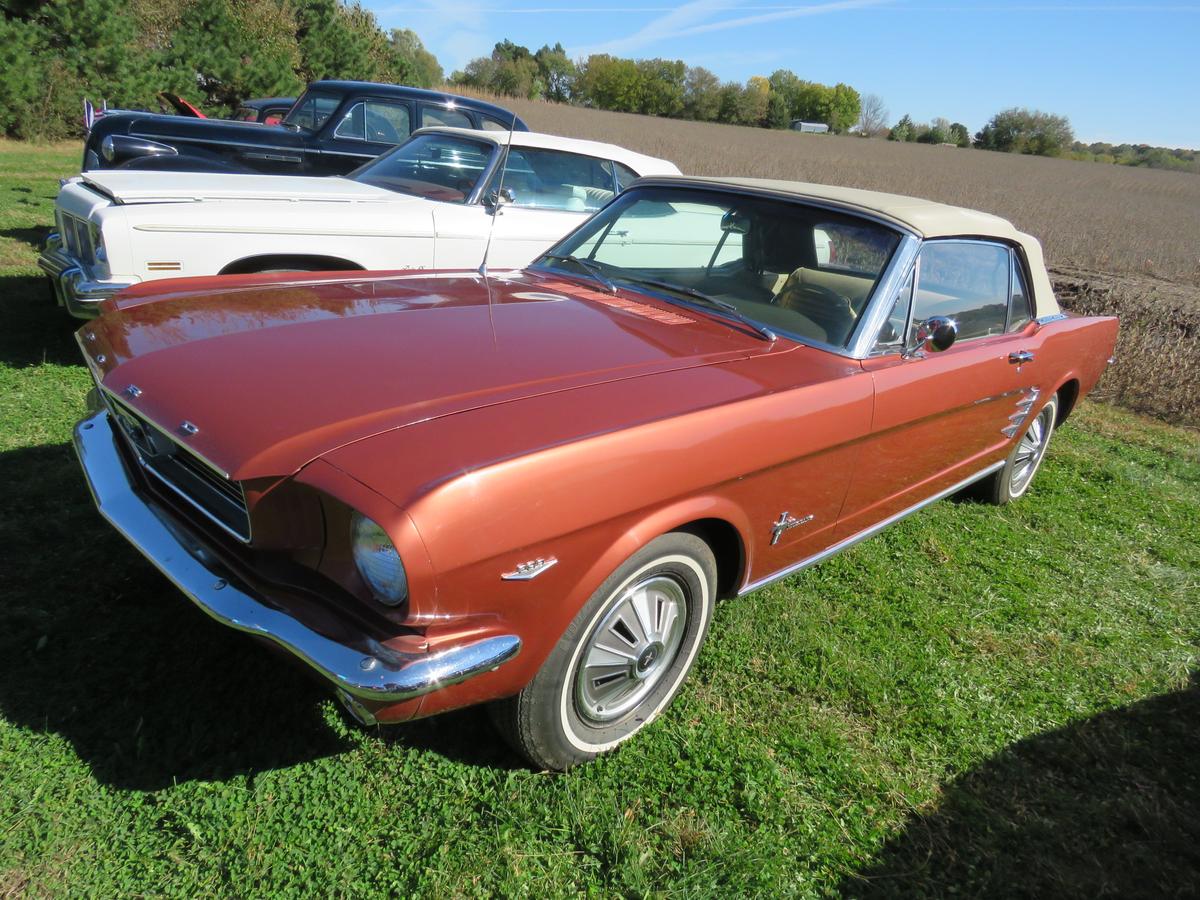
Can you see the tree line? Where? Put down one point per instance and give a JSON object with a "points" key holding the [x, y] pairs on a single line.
{"points": [[659, 87], [214, 53], [217, 53]]}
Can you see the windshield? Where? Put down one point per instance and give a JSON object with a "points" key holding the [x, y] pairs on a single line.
{"points": [[797, 269], [312, 111], [435, 166]]}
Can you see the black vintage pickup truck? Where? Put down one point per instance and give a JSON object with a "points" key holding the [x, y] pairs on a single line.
{"points": [[334, 127]]}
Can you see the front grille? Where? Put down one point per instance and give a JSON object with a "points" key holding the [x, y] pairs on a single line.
{"points": [[184, 473], [77, 238]]}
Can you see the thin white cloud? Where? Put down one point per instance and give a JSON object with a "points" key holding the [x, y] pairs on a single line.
{"points": [[690, 19]]}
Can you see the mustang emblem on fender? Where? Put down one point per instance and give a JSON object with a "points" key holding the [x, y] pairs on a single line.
{"points": [[786, 523]]}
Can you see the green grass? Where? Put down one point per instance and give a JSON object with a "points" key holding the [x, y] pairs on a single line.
{"points": [[980, 700]]}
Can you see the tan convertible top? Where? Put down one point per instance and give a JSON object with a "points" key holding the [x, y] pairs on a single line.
{"points": [[925, 218]]}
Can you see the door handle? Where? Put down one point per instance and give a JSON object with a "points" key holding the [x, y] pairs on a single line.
{"points": [[1020, 356]]}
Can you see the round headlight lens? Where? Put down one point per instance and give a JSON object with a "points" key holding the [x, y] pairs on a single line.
{"points": [[377, 561], [108, 149]]}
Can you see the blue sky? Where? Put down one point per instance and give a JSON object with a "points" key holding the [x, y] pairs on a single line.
{"points": [[1119, 71]]}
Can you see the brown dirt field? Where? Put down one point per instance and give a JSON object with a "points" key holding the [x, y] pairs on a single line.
{"points": [[1088, 215], [1119, 240]]}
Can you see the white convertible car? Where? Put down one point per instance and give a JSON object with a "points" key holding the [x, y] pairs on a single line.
{"points": [[433, 202]]}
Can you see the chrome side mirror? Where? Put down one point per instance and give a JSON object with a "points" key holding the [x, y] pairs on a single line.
{"points": [[497, 199], [935, 334]]}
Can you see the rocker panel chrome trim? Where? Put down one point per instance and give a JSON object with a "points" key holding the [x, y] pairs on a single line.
{"points": [[869, 532]]}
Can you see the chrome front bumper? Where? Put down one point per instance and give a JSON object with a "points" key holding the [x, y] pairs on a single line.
{"points": [[71, 284], [361, 671]]}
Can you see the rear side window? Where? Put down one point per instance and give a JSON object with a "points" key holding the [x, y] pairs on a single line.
{"points": [[443, 115], [487, 123], [966, 281]]}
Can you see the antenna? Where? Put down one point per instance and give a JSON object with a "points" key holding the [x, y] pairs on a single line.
{"points": [[512, 126]]}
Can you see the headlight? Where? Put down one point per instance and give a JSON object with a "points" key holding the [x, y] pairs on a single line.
{"points": [[107, 149], [377, 561]]}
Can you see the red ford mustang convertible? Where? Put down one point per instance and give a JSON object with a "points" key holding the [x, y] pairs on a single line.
{"points": [[529, 488]]}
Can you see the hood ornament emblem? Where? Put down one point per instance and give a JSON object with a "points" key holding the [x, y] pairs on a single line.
{"points": [[188, 428], [527, 571], [786, 523], [133, 391]]}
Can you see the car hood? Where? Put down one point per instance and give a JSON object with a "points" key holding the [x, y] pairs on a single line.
{"points": [[136, 186], [276, 374]]}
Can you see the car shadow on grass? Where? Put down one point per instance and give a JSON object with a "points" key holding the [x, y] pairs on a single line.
{"points": [[1109, 806], [98, 647], [35, 329]]}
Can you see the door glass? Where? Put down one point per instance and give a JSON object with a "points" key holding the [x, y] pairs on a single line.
{"points": [[552, 179], [966, 281], [374, 120], [442, 115], [351, 126], [625, 175]]}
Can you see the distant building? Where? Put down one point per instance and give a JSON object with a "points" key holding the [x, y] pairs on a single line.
{"points": [[809, 127]]}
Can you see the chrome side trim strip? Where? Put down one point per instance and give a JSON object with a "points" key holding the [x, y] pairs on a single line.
{"points": [[364, 669], [1053, 317], [870, 532]]}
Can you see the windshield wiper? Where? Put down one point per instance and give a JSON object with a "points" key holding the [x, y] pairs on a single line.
{"points": [[587, 266], [704, 299]]}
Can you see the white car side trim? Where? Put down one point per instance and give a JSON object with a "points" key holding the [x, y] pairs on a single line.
{"points": [[280, 229]]}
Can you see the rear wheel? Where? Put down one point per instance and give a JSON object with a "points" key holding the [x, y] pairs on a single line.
{"points": [[1022, 464], [622, 659]]}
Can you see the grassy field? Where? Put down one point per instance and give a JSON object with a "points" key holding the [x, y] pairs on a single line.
{"points": [[980, 701]]}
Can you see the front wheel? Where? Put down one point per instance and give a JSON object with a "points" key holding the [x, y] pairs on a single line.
{"points": [[622, 659], [1014, 479]]}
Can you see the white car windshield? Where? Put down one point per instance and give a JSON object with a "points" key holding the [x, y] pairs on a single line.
{"points": [[435, 166], [791, 267]]}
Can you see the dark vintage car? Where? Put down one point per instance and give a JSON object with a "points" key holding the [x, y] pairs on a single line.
{"points": [[335, 127], [530, 487]]}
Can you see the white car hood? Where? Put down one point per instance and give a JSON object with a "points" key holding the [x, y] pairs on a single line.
{"points": [[175, 187]]}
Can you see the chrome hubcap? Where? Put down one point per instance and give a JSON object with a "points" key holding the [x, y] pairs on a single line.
{"points": [[1030, 451], [631, 648]]}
